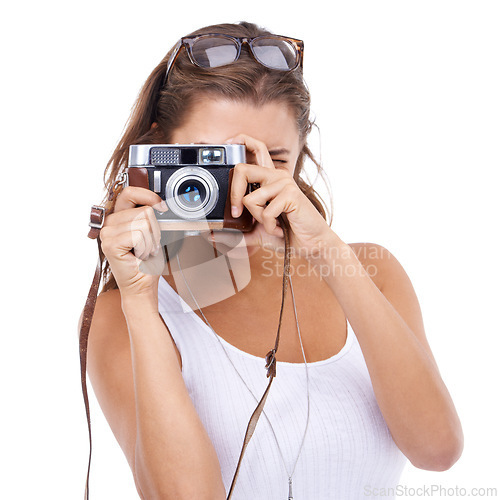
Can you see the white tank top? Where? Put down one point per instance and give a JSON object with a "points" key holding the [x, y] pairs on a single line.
{"points": [[348, 452]]}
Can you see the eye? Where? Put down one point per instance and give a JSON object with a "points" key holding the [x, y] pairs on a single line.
{"points": [[279, 161]]}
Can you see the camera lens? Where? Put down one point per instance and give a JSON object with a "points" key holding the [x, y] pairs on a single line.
{"points": [[191, 193]]}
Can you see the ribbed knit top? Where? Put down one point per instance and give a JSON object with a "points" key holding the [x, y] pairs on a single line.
{"points": [[348, 450]]}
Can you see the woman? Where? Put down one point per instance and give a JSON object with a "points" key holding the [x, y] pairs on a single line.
{"points": [[178, 384]]}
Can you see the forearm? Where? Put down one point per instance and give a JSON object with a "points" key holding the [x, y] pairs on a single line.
{"points": [[174, 457], [411, 394]]}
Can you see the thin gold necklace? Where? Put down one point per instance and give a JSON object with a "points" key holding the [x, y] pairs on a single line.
{"points": [[291, 497]]}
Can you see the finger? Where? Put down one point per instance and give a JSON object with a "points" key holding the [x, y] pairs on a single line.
{"points": [[122, 238], [139, 242], [270, 213], [264, 194], [131, 196], [242, 175], [154, 265], [129, 215], [154, 225], [257, 200], [267, 219], [111, 231], [256, 147], [143, 237], [119, 246]]}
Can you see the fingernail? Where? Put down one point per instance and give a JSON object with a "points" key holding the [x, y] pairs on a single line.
{"points": [[161, 207], [235, 211]]}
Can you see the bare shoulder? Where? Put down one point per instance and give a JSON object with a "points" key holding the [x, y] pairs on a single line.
{"points": [[377, 260], [383, 268], [109, 330], [392, 280], [109, 323]]}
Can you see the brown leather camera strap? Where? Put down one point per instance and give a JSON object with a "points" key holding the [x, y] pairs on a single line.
{"points": [[97, 215], [96, 223], [271, 360]]}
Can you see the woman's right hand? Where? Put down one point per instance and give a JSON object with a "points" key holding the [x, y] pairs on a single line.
{"points": [[131, 227]]}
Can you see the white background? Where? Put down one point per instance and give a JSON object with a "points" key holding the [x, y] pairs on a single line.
{"points": [[405, 94]]}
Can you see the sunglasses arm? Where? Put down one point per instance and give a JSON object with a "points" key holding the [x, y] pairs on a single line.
{"points": [[172, 60]]}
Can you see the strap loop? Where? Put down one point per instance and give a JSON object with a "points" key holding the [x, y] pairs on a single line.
{"points": [[97, 217]]}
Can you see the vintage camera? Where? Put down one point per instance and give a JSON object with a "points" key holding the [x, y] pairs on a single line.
{"points": [[195, 181]]}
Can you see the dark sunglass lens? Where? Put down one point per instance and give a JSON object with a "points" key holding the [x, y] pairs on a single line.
{"points": [[210, 52], [275, 53]]}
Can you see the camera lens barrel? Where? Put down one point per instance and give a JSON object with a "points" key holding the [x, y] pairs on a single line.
{"points": [[192, 192]]}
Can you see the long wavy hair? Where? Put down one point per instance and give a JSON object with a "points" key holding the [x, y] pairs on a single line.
{"points": [[168, 106]]}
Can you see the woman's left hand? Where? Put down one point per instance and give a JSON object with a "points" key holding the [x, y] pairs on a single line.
{"points": [[309, 230]]}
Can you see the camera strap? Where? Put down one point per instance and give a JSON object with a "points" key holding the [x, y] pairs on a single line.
{"points": [[271, 360], [96, 223]]}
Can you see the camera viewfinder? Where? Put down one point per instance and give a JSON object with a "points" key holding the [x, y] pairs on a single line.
{"points": [[211, 156]]}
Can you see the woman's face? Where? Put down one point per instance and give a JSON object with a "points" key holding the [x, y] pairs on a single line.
{"points": [[214, 121]]}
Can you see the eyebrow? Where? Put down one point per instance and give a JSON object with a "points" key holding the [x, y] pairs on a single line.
{"points": [[280, 151]]}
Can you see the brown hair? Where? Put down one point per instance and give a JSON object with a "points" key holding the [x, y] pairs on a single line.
{"points": [[245, 80]]}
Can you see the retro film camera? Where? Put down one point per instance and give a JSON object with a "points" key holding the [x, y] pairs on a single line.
{"points": [[195, 181]]}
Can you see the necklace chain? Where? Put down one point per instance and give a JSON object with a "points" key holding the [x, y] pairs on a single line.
{"points": [[240, 376]]}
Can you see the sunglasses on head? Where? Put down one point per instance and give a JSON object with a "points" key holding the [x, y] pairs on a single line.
{"points": [[215, 50]]}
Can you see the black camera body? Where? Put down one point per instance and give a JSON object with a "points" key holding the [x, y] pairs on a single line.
{"points": [[194, 180]]}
